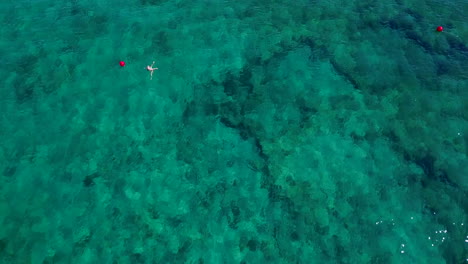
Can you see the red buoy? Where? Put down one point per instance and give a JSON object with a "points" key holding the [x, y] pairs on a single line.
{"points": [[440, 29], [122, 63]]}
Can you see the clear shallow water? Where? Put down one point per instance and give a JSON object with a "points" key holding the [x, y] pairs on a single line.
{"points": [[313, 132]]}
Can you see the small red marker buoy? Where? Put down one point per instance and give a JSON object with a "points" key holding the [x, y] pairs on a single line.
{"points": [[439, 29], [122, 63]]}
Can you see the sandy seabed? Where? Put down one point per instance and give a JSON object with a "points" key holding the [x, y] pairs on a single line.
{"points": [[273, 132]]}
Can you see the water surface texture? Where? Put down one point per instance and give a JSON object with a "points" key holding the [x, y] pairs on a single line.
{"points": [[273, 132]]}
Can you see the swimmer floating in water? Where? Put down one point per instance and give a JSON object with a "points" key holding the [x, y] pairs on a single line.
{"points": [[151, 69]]}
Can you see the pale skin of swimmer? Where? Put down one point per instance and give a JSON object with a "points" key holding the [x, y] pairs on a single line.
{"points": [[151, 69]]}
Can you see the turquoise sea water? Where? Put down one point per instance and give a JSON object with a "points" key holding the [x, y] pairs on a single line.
{"points": [[273, 132]]}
